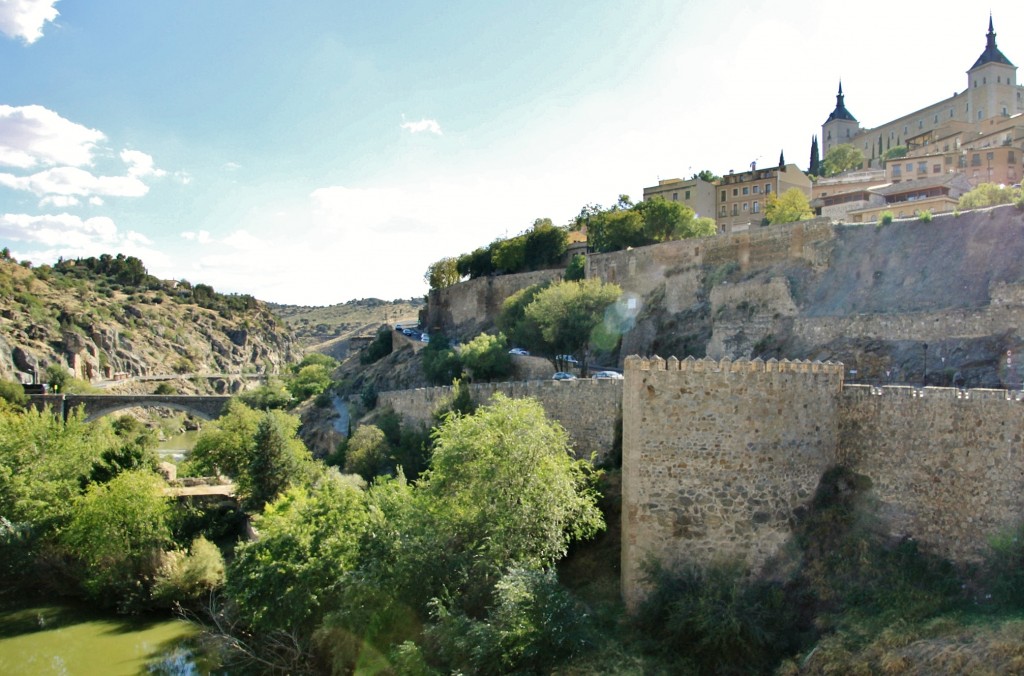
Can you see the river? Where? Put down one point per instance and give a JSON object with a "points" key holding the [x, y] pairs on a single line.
{"points": [[71, 639]]}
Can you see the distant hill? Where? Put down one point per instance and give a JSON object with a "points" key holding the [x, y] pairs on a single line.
{"points": [[328, 328]]}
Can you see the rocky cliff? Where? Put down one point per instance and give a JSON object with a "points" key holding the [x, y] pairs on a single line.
{"points": [[99, 329]]}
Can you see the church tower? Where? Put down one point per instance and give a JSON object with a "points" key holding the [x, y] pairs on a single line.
{"points": [[992, 84], [840, 127]]}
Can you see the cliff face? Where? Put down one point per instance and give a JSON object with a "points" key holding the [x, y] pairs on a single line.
{"points": [[102, 331]]}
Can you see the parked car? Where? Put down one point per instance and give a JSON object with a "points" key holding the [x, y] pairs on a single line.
{"points": [[562, 375], [566, 358], [607, 375], [520, 351], [424, 337]]}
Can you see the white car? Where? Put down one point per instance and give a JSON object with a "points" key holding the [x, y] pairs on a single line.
{"points": [[607, 375], [520, 351]]}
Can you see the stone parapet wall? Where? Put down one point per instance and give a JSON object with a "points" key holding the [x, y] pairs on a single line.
{"points": [[947, 465], [717, 456], [590, 410], [918, 326]]}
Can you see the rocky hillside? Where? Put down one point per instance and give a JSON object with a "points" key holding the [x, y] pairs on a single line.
{"points": [[333, 329], [106, 319]]}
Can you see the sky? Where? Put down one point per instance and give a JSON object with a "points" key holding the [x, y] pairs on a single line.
{"points": [[318, 151]]}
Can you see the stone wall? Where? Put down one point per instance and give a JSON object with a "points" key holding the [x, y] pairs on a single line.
{"points": [[465, 309], [947, 465], [589, 410], [718, 455]]}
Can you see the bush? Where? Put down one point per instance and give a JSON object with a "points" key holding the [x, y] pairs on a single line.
{"points": [[885, 218], [486, 357], [13, 393], [189, 577], [381, 347], [577, 268], [925, 216], [441, 364], [165, 388]]}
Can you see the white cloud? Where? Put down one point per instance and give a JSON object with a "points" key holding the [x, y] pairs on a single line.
{"points": [[231, 166], [75, 181], [422, 125], [96, 201], [25, 18], [45, 238], [59, 201], [34, 136], [140, 164]]}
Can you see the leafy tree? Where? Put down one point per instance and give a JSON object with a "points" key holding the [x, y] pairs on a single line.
{"points": [[441, 364], [117, 530], [843, 157], [545, 245], [616, 230], [505, 492], [663, 219], [567, 314], [272, 395], [475, 264], [486, 357], [57, 377], [442, 273], [225, 444], [988, 195], [789, 207], [509, 256], [367, 453], [309, 541], [309, 381], [577, 269], [513, 323]]}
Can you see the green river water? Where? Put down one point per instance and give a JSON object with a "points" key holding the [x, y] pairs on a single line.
{"points": [[69, 639]]}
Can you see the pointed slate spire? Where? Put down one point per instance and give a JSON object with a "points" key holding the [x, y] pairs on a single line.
{"points": [[782, 159], [991, 53], [840, 113]]}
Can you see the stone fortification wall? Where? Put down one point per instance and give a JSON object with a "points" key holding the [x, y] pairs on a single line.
{"points": [[718, 455], [947, 465], [589, 410], [465, 309], [747, 312]]}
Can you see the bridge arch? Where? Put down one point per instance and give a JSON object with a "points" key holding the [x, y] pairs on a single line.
{"points": [[98, 405]]}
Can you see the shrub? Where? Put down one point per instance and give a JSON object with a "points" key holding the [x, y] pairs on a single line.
{"points": [[381, 347], [164, 388], [925, 216], [189, 577], [577, 268], [13, 393], [885, 218]]}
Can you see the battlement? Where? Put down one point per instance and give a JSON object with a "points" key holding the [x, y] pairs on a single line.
{"points": [[727, 365], [903, 392]]}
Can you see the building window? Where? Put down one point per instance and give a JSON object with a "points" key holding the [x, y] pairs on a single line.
{"points": [[980, 113], [920, 124], [757, 189], [723, 210], [897, 171], [1011, 158], [949, 159], [757, 207], [735, 209], [904, 129], [735, 192], [686, 196], [951, 112], [723, 196], [745, 206], [922, 167], [1004, 110], [936, 118], [767, 188], [746, 190], [675, 197], [910, 167], [936, 168], [990, 156]]}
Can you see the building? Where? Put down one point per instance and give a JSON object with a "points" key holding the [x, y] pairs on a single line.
{"points": [[743, 197], [992, 93], [935, 194], [695, 193]]}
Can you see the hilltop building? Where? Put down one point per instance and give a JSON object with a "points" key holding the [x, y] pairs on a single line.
{"points": [[991, 98]]}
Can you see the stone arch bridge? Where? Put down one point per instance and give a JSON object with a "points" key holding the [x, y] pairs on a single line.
{"points": [[99, 405]]}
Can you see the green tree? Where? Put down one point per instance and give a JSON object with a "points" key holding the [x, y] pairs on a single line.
{"points": [[13, 393], [367, 453], [895, 153], [840, 158], [226, 444], [509, 256], [441, 364], [442, 273], [475, 264], [512, 321], [279, 459], [615, 230], [706, 175], [988, 195], [117, 532], [273, 394], [577, 269], [505, 493], [545, 245], [57, 377], [486, 357], [789, 207], [664, 219], [296, 570], [568, 313]]}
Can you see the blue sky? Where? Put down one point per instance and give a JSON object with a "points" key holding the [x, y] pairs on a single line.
{"points": [[313, 152]]}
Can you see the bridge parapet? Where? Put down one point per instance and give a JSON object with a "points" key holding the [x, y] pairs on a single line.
{"points": [[98, 405]]}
